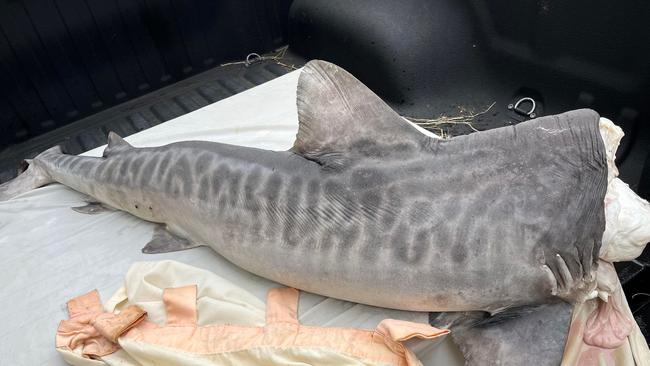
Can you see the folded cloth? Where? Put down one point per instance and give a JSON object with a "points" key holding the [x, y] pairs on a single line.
{"points": [[93, 329], [91, 332]]}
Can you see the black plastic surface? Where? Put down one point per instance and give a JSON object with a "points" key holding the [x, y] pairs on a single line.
{"points": [[63, 60], [146, 111], [447, 57]]}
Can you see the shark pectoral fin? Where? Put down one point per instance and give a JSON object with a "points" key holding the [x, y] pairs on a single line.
{"points": [[164, 241], [340, 118], [93, 208], [523, 336]]}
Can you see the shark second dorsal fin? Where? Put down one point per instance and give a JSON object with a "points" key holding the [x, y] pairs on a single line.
{"points": [[339, 118], [115, 144]]}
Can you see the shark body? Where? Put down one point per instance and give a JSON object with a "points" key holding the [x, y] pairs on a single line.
{"points": [[365, 208]]}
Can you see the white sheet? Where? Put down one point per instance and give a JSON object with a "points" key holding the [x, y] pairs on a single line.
{"points": [[51, 253]]}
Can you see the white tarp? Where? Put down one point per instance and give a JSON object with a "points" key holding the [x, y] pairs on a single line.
{"points": [[51, 254]]}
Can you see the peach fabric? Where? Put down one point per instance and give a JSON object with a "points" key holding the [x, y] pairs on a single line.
{"points": [[89, 336], [112, 326], [400, 330], [180, 305], [282, 306], [283, 330], [93, 329]]}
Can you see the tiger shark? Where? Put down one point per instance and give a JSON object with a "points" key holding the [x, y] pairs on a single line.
{"points": [[366, 208]]}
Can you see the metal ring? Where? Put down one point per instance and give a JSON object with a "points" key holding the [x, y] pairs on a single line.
{"points": [[253, 58], [531, 112]]}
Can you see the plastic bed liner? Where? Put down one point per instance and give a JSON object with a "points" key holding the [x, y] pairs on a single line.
{"points": [[147, 111]]}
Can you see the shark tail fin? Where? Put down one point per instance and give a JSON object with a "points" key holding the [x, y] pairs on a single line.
{"points": [[32, 175]]}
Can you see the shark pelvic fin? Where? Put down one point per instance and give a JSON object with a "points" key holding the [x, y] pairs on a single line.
{"points": [[115, 145], [339, 118], [164, 241], [93, 208]]}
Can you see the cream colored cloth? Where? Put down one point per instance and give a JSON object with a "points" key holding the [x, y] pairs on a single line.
{"points": [[221, 324]]}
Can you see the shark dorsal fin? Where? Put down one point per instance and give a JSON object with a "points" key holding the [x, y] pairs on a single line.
{"points": [[115, 144], [339, 117]]}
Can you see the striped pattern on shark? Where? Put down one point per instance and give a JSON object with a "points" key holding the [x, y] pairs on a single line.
{"points": [[366, 208]]}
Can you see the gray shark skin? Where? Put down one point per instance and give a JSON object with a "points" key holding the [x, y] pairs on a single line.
{"points": [[527, 336], [365, 208]]}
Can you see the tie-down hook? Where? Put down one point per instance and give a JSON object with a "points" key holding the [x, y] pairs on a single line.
{"points": [[516, 108]]}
